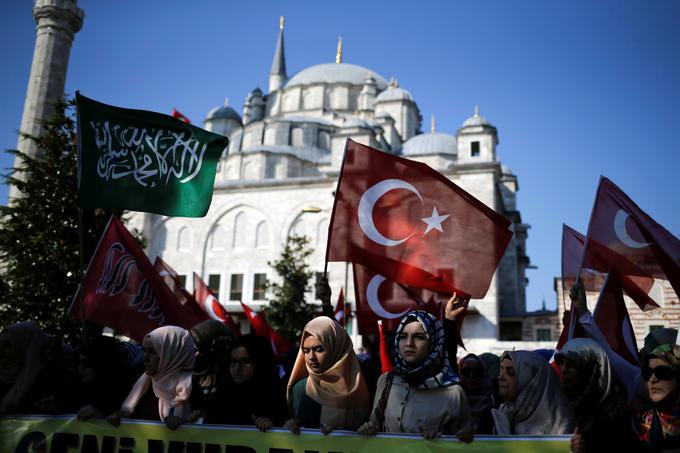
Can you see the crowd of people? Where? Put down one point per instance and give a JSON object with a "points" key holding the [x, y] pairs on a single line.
{"points": [[207, 375]]}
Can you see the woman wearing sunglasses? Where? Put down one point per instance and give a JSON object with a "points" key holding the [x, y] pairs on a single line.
{"points": [[659, 427]]}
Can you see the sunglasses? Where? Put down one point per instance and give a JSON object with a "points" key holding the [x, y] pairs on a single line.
{"points": [[662, 373], [472, 372]]}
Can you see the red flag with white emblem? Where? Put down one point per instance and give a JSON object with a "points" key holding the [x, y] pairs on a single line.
{"points": [[207, 300], [597, 263], [412, 225], [171, 278], [123, 291], [179, 116], [638, 241], [378, 298], [339, 312], [262, 328]]}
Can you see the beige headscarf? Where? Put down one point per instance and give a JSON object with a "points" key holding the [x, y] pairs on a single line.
{"points": [[172, 383], [341, 389]]}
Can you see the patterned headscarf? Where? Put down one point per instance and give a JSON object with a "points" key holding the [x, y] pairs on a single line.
{"points": [[435, 371], [660, 425]]}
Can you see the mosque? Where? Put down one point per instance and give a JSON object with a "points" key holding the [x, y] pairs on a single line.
{"points": [[279, 173]]}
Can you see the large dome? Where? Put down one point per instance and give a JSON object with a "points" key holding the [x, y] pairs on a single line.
{"points": [[430, 143], [335, 73]]}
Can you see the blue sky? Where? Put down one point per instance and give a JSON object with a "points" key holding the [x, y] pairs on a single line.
{"points": [[576, 89]]}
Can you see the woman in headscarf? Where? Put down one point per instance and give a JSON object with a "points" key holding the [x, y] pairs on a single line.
{"points": [[168, 361], [326, 388], [422, 394], [658, 428], [37, 372], [254, 394], [211, 373], [601, 417], [479, 392], [535, 403]]}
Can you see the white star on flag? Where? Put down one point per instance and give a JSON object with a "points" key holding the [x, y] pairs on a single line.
{"points": [[434, 222]]}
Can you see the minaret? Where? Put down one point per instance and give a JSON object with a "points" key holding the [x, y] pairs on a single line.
{"points": [[57, 21], [338, 52], [277, 75]]}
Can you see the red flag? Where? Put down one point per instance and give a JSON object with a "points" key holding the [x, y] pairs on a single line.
{"points": [[262, 328], [171, 278], [179, 116], [411, 224], [339, 313], [620, 225], [385, 362], [378, 298], [207, 300], [611, 317], [123, 291], [597, 263]]}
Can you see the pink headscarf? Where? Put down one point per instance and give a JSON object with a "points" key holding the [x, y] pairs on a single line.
{"points": [[172, 383]]}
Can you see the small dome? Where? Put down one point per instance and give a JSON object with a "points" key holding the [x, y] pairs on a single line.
{"points": [[394, 94], [331, 73], [476, 120], [223, 112], [430, 143]]}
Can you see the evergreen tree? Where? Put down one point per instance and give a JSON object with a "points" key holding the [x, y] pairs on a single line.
{"points": [[288, 312], [39, 231]]}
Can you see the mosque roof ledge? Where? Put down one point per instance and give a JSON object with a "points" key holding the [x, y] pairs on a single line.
{"points": [[476, 167], [296, 118], [470, 130], [257, 183]]}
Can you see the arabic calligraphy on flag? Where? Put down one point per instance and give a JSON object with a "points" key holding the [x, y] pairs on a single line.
{"points": [[144, 161]]}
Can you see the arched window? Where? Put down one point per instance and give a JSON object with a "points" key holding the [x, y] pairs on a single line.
{"points": [[324, 140], [239, 239], [299, 228], [297, 137], [262, 235], [184, 239], [219, 238]]}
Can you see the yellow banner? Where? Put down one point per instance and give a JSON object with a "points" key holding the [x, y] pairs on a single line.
{"points": [[68, 435]]}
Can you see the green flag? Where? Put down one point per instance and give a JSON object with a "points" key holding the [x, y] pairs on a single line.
{"points": [[144, 161]]}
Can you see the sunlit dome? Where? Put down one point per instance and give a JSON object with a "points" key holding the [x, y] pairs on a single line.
{"points": [[430, 143], [332, 73]]}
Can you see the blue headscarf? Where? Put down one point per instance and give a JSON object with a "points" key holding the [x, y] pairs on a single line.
{"points": [[435, 371]]}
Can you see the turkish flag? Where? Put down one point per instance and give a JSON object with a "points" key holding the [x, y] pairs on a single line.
{"points": [[611, 317], [597, 263], [123, 291], [378, 298], [179, 116], [193, 311], [207, 300], [620, 225], [412, 225], [339, 312], [262, 328]]}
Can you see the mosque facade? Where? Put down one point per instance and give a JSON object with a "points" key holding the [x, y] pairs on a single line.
{"points": [[278, 176]]}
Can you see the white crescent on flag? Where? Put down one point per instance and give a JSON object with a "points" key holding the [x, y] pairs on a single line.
{"points": [[368, 201], [374, 302], [622, 232]]}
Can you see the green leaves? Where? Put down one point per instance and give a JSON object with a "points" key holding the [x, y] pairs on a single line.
{"points": [[288, 312]]}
